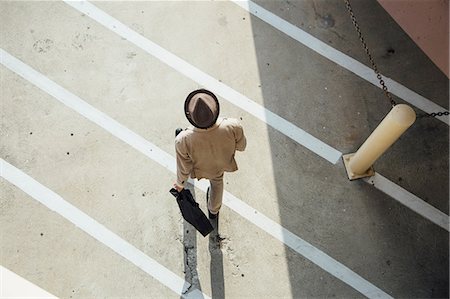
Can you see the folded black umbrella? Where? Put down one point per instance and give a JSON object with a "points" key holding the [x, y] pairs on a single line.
{"points": [[191, 211]]}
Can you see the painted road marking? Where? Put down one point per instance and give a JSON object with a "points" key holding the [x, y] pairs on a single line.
{"points": [[287, 128], [84, 109], [13, 286], [302, 247], [167, 161], [410, 200], [282, 125], [341, 59], [89, 225]]}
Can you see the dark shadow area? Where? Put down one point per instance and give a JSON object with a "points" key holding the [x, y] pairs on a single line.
{"points": [[190, 257], [216, 264], [190, 252], [386, 243]]}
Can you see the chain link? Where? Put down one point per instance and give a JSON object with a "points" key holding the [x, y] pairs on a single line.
{"points": [[369, 55], [433, 114], [375, 68]]}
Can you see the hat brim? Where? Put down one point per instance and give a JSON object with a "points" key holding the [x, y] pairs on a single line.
{"points": [[188, 114]]}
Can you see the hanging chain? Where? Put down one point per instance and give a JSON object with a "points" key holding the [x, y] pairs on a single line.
{"points": [[374, 66], [369, 55], [433, 114]]}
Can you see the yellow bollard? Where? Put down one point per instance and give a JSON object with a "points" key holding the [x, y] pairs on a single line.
{"points": [[396, 122]]}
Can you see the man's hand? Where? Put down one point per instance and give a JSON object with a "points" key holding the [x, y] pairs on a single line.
{"points": [[178, 187]]}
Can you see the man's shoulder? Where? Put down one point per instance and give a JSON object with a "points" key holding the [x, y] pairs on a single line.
{"points": [[231, 124], [183, 135], [228, 121]]}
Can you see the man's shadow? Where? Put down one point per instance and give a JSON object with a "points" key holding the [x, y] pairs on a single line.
{"points": [[190, 252], [216, 264], [190, 257]]}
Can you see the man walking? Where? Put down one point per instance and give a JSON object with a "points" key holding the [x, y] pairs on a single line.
{"points": [[207, 150]]}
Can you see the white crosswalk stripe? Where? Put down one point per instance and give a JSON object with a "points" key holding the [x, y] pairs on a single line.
{"points": [[167, 161], [342, 59]]}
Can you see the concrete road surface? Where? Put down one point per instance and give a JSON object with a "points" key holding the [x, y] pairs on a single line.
{"points": [[91, 93]]}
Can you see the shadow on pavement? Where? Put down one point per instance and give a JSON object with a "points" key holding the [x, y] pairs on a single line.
{"points": [[190, 252], [216, 264], [190, 257], [398, 251]]}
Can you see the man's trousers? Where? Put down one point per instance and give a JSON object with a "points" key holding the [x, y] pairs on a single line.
{"points": [[216, 194]]}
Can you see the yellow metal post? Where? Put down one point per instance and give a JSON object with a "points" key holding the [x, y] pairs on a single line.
{"points": [[396, 122]]}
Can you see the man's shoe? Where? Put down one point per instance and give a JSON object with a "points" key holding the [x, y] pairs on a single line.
{"points": [[210, 215], [178, 131]]}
